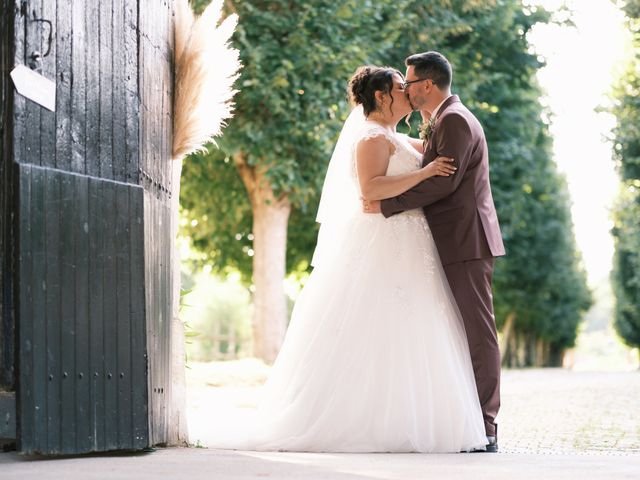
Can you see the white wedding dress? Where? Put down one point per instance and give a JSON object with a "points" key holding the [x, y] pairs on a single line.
{"points": [[375, 358]]}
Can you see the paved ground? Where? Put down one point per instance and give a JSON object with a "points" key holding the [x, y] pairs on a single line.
{"points": [[553, 411], [554, 424], [545, 411], [196, 464]]}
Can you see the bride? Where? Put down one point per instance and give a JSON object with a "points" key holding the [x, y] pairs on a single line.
{"points": [[375, 358]]}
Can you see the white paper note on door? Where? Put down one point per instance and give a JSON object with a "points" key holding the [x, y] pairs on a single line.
{"points": [[35, 87]]}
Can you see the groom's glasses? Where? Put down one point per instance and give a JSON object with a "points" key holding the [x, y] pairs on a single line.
{"points": [[406, 84]]}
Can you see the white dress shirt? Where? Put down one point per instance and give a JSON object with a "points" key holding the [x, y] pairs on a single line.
{"points": [[435, 110]]}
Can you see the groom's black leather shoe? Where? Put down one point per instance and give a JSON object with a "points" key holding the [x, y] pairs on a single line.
{"points": [[492, 444], [490, 447], [492, 441]]}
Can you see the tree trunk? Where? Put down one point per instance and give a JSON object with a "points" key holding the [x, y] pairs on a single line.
{"points": [[555, 355], [531, 350], [522, 350], [270, 220], [540, 357]]}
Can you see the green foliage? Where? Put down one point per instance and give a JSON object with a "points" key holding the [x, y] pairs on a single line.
{"points": [[626, 231], [298, 57], [217, 326], [541, 279], [626, 272]]}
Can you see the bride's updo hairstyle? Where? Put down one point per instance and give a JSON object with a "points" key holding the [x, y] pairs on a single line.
{"points": [[366, 82]]}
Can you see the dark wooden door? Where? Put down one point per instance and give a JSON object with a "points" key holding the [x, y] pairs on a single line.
{"points": [[85, 230]]}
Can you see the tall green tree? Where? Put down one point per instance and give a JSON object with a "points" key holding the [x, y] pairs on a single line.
{"points": [[540, 286], [626, 152], [286, 137], [296, 56]]}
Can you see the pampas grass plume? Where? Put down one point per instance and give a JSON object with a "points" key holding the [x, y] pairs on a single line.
{"points": [[206, 69]]}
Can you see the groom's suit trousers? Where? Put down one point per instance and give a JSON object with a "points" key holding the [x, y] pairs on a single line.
{"points": [[470, 283]]}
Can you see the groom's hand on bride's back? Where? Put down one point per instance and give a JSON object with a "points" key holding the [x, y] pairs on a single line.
{"points": [[370, 206]]}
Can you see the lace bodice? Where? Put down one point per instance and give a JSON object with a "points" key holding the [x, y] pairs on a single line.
{"points": [[404, 159]]}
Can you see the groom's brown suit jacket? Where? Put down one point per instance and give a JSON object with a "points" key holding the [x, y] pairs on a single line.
{"points": [[459, 208]]}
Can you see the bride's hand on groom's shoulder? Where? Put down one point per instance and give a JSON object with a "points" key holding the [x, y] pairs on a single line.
{"points": [[370, 206]]}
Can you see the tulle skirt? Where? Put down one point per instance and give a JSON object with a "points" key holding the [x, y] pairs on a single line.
{"points": [[375, 358]]}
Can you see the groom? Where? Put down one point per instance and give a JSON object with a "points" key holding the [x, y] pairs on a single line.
{"points": [[461, 216]]}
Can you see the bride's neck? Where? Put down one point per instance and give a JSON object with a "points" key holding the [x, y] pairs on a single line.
{"points": [[382, 120]]}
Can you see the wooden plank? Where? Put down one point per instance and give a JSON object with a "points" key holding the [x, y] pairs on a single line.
{"points": [[82, 377], [148, 79], [151, 315], [17, 33], [25, 400], [37, 215], [106, 86], [132, 103], [143, 93], [79, 90], [110, 332], [96, 315], [123, 287], [62, 51], [167, 278], [138, 314], [161, 319], [92, 91], [47, 131], [118, 93], [31, 134], [69, 206], [162, 103], [154, 309], [53, 302]]}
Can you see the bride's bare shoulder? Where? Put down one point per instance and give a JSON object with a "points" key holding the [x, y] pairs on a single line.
{"points": [[374, 141]]}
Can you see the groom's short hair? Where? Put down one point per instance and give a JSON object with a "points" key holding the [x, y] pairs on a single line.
{"points": [[431, 65]]}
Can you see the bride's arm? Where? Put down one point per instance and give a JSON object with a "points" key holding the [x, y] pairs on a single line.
{"points": [[372, 160]]}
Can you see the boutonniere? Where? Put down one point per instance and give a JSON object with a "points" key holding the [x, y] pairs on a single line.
{"points": [[426, 129]]}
